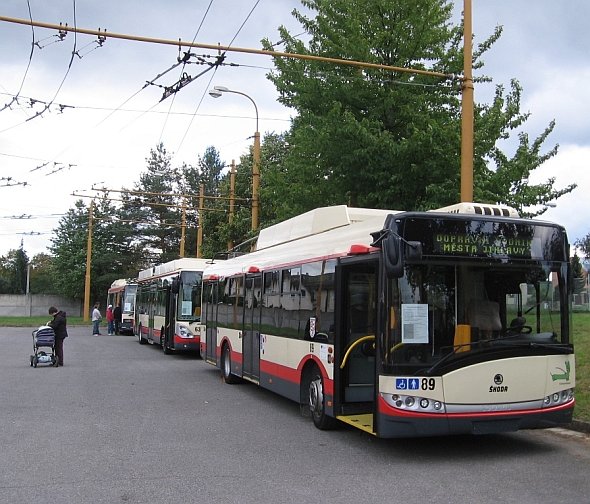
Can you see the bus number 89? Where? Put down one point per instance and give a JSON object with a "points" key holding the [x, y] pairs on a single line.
{"points": [[428, 383]]}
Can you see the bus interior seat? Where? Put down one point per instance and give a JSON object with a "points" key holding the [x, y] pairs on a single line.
{"points": [[485, 316]]}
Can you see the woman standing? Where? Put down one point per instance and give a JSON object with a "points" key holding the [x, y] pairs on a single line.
{"points": [[96, 318], [59, 326]]}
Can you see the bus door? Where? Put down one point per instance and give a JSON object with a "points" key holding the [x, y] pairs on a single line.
{"points": [[251, 331], [170, 319], [210, 298], [356, 341], [152, 307]]}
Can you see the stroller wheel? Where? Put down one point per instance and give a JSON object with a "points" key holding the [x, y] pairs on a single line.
{"points": [[35, 361], [31, 359]]}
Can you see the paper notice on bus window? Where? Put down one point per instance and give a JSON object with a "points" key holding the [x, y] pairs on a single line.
{"points": [[187, 308], [414, 323], [324, 352]]}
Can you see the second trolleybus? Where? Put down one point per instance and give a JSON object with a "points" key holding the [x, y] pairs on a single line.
{"points": [[168, 305], [402, 324], [122, 294]]}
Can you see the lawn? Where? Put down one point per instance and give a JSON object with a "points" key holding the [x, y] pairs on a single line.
{"points": [[581, 321]]}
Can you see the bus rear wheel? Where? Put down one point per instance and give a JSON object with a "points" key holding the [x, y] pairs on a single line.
{"points": [[227, 375], [140, 336], [317, 402], [165, 344]]}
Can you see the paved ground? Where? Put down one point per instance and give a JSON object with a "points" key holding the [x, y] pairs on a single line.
{"points": [[124, 423]]}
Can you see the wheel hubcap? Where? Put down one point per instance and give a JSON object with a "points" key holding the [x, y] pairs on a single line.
{"points": [[316, 396]]}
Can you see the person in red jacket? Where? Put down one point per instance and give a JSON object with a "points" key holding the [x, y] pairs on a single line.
{"points": [[110, 320]]}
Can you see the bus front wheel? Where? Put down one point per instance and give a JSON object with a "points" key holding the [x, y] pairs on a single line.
{"points": [[317, 402]]}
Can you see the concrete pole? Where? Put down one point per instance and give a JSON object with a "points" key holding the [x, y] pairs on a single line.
{"points": [[88, 263]]}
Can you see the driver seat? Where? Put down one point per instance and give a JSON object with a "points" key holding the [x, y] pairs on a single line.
{"points": [[485, 316]]}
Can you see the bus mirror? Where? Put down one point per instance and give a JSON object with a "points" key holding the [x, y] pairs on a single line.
{"points": [[175, 287], [392, 255], [414, 251]]}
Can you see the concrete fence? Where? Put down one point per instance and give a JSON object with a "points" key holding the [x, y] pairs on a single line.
{"points": [[34, 305]]}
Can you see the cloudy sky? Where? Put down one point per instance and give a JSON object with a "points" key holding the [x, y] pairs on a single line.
{"points": [[103, 118]]}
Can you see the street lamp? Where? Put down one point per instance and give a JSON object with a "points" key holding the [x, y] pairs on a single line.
{"points": [[216, 92]]}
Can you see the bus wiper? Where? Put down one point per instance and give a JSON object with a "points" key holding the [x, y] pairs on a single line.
{"points": [[565, 349], [456, 348], [561, 348]]}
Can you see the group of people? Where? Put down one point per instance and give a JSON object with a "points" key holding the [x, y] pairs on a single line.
{"points": [[59, 326], [113, 320]]}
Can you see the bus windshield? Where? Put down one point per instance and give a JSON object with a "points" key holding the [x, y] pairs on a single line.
{"points": [[445, 312], [189, 296], [129, 301]]}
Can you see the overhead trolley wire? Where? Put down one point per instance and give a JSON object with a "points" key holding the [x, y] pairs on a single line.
{"points": [[211, 79], [184, 60], [15, 98], [67, 71]]}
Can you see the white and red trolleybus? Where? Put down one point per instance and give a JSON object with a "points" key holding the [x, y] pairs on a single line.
{"points": [[168, 305], [402, 323], [122, 293]]}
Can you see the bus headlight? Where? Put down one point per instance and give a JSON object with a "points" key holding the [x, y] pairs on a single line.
{"points": [[558, 398], [412, 403], [184, 332]]}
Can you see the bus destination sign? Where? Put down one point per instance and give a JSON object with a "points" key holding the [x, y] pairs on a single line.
{"points": [[482, 245]]}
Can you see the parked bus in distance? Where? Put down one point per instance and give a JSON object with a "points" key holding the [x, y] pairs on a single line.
{"points": [[122, 293], [168, 305], [402, 324]]}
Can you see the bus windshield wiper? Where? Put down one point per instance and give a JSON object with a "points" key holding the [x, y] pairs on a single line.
{"points": [[456, 348]]}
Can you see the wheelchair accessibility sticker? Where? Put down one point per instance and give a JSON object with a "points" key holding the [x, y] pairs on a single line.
{"points": [[407, 383]]}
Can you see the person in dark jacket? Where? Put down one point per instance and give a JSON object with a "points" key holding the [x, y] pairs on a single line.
{"points": [[59, 326], [118, 316]]}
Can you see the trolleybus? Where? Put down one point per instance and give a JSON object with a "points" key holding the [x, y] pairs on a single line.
{"points": [[168, 305], [402, 324], [122, 294]]}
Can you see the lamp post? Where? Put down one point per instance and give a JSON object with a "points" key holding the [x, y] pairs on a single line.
{"points": [[216, 92]]}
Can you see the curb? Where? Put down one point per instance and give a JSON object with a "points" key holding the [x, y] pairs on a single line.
{"points": [[579, 426]]}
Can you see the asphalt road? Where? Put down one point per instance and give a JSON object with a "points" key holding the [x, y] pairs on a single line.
{"points": [[122, 422]]}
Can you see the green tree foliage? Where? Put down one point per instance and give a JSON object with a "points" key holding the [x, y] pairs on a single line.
{"points": [[41, 274], [385, 139], [207, 173], [584, 245], [154, 206], [113, 253], [13, 271], [219, 232]]}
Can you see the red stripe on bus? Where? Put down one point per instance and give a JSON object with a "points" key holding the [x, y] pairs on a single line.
{"points": [[294, 375]]}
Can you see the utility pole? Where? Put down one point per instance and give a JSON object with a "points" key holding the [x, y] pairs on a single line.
{"points": [[467, 109], [232, 194], [200, 228], [182, 235], [88, 263]]}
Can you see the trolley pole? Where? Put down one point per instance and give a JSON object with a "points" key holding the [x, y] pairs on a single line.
{"points": [[88, 263]]}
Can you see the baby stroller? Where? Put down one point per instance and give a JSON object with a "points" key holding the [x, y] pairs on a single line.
{"points": [[43, 337]]}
